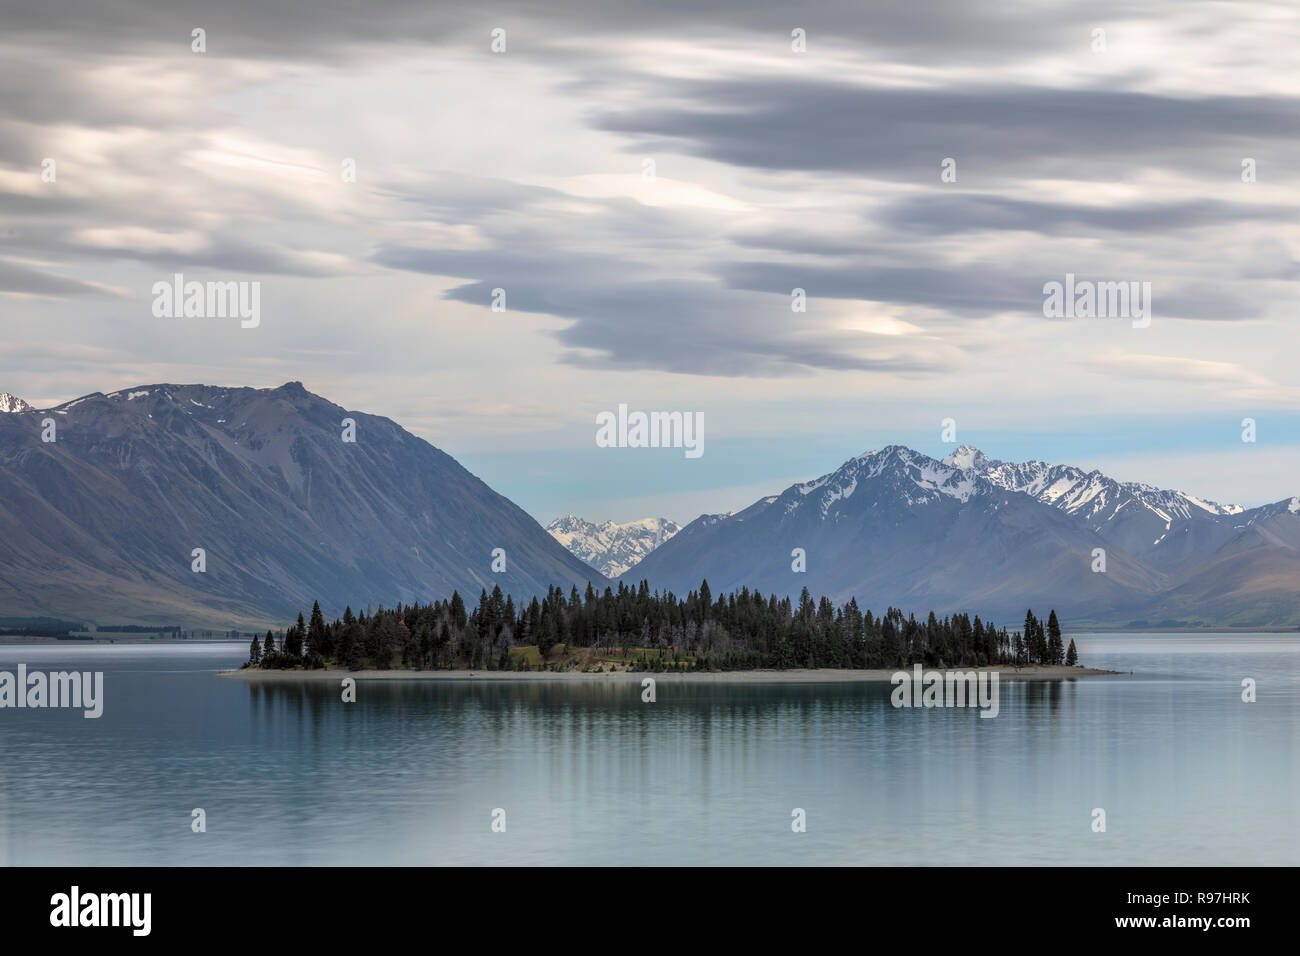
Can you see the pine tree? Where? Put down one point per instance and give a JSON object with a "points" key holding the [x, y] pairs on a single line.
{"points": [[316, 636], [254, 651], [458, 615], [1071, 654], [293, 639], [1055, 649], [268, 646], [351, 650]]}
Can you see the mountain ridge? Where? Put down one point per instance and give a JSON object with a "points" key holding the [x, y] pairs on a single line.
{"points": [[1024, 533], [12, 404], [101, 522], [612, 548]]}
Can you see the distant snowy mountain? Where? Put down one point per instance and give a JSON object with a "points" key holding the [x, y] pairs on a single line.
{"points": [[898, 527], [1145, 520], [12, 403], [1078, 492], [610, 548]]}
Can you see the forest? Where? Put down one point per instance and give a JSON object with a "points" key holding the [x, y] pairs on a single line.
{"points": [[635, 629]]}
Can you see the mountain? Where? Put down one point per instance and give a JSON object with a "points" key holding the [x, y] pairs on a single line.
{"points": [[101, 523], [896, 527], [612, 549], [12, 403], [1168, 529]]}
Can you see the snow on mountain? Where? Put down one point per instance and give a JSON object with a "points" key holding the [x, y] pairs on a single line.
{"points": [[1077, 492], [1161, 525], [609, 547], [12, 403], [896, 525], [917, 477]]}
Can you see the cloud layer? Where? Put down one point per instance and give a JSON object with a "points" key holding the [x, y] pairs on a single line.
{"points": [[648, 187]]}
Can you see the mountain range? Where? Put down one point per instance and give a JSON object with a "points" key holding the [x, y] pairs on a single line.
{"points": [[101, 523], [611, 548], [897, 527]]}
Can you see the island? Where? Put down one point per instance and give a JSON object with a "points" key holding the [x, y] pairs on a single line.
{"points": [[628, 632]]}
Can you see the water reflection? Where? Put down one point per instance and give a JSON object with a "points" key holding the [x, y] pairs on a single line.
{"points": [[709, 773]]}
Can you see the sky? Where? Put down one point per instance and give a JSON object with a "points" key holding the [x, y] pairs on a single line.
{"points": [[648, 184]]}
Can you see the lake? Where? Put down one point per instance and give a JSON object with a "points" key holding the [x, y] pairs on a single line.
{"points": [[411, 773]]}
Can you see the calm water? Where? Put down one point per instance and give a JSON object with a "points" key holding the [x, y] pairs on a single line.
{"points": [[410, 774]]}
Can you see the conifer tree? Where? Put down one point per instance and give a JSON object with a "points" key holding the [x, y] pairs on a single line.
{"points": [[1055, 650], [317, 638], [293, 639], [458, 616]]}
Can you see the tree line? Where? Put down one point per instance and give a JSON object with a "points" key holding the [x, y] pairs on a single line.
{"points": [[654, 631]]}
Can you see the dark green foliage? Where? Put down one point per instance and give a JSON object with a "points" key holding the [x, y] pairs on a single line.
{"points": [[293, 639], [1055, 649], [318, 643], [743, 630]]}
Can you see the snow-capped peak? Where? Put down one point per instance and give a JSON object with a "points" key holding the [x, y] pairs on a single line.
{"points": [[1089, 494], [917, 478], [609, 547], [12, 403], [967, 456]]}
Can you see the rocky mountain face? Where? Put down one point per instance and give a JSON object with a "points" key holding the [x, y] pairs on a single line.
{"points": [[12, 403], [102, 522], [611, 548], [105, 499], [896, 527], [1163, 527]]}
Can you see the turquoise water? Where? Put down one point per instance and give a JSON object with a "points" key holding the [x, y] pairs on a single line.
{"points": [[411, 773]]}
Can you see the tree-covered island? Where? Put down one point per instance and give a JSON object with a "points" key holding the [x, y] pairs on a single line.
{"points": [[635, 629]]}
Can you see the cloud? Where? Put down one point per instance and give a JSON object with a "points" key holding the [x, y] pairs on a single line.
{"points": [[995, 132], [26, 280], [318, 28], [945, 214], [671, 324], [775, 171]]}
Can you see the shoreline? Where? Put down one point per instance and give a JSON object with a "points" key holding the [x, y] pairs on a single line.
{"points": [[792, 676], [109, 641]]}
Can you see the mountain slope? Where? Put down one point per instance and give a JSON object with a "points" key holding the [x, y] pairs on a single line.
{"points": [[1251, 580], [102, 522], [610, 548], [1168, 529], [898, 527]]}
